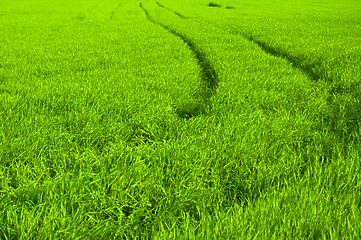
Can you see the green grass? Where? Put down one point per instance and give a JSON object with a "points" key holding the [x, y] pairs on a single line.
{"points": [[158, 120]]}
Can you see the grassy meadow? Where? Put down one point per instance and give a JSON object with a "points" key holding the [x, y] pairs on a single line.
{"points": [[192, 119]]}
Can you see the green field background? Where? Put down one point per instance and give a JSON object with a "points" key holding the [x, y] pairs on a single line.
{"points": [[138, 119]]}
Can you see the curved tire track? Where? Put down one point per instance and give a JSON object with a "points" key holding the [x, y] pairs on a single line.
{"points": [[339, 111], [208, 74], [113, 12], [176, 13], [308, 69]]}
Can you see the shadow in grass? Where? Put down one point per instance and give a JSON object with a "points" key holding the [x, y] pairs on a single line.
{"points": [[80, 17], [212, 4], [187, 112]]}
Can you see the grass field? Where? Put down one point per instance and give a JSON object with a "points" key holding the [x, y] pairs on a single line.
{"points": [[193, 119]]}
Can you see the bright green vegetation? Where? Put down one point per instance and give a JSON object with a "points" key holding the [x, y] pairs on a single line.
{"points": [[179, 119]]}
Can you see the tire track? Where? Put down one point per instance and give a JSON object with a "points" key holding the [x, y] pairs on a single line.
{"points": [[208, 74], [342, 117], [312, 70], [113, 12], [176, 13]]}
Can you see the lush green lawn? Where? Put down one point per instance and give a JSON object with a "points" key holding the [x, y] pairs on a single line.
{"points": [[131, 120]]}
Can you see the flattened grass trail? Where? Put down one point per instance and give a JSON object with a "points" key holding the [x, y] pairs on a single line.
{"points": [[176, 13], [208, 74], [173, 119]]}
